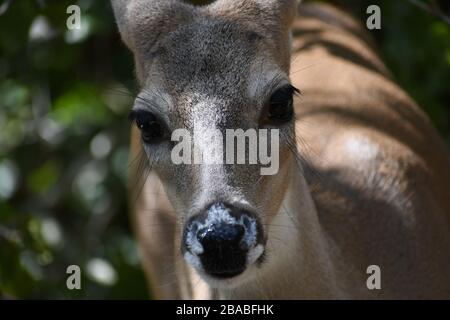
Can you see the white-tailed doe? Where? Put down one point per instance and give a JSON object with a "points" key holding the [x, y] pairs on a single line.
{"points": [[363, 177]]}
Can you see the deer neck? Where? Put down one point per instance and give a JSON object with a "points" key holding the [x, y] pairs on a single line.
{"points": [[296, 241]]}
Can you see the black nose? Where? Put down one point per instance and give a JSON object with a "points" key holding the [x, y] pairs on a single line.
{"points": [[225, 238], [223, 253], [216, 237]]}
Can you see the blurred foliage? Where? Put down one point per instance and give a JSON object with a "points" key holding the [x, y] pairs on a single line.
{"points": [[64, 97]]}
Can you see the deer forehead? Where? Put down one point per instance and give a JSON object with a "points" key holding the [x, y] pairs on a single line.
{"points": [[213, 58], [212, 70]]}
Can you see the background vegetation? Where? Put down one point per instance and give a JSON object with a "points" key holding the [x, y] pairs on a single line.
{"points": [[64, 98]]}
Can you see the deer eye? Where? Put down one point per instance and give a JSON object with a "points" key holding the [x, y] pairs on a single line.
{"points": [[149, 125], [281, 104]]}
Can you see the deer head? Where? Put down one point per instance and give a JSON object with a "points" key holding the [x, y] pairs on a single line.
{"points": [[217, 67]]}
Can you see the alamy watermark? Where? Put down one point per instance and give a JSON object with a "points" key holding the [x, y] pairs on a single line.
{"points": [[374, 20], [74, 279], [374, 280], [241, 147], [74, 20]]}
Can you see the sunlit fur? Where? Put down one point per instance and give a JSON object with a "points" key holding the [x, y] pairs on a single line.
{"points": [[363, 176]]}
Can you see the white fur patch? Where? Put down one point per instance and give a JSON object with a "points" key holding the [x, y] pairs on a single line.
{"points": [[254, 254], [217, 214], [191, 239], [361, 147], [193, 260]]}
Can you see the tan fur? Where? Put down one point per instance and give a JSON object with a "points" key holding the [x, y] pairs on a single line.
{"points": [[377, 191]]}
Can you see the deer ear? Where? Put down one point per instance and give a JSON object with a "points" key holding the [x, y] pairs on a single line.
{"points": [[143, 23], [270, 18]]}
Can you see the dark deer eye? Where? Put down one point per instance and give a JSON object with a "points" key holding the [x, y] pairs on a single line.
{"points": [[281, 104], [149, 125]]}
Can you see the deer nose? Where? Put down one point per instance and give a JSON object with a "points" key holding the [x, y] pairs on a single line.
{"points": [[224, 239], [223, 253], [221, 237]]}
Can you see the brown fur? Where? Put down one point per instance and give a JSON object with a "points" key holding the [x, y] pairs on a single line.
{"points": [[377, 173]]}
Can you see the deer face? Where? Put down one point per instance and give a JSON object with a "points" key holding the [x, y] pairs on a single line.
{"points": [[214, 69]]}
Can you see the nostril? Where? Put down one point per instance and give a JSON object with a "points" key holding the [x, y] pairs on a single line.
{"points": [[220, 235], [246, 221]]}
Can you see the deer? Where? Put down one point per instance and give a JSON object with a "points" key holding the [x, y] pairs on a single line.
{"points": [[363, 178]]}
